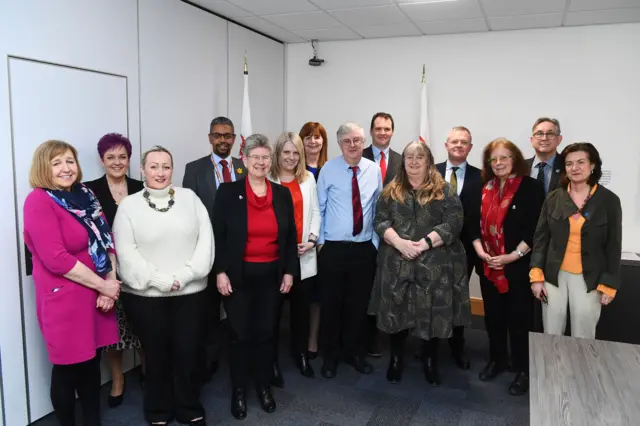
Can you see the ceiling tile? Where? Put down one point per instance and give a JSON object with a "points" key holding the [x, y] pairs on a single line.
{"points": [[522, 7], [450, 27], [602, 4], [223, 8], [286, 36], [259, 24], [455, 10], [348, 4], [274, 7], [525, 21], [395, 30], [304, 21], [592, 17], [328, 34], [365, 16]]}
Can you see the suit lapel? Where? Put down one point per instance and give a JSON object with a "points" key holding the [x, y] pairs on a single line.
{"points": [[555, 172], [442, 169], [238, 165], [209, 177], [368, 153]]}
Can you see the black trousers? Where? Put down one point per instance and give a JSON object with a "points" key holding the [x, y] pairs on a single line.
{"points": [[508, 314], [299, 302], [171, 331], [83, 378], [346, 273], [213, 326], [252, 309], [456, 341]]}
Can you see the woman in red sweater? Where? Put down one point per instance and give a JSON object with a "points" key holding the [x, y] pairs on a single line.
{"points": [[256, 261]]}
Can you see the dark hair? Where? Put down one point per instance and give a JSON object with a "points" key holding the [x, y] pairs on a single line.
{"points": [[520, 167], [385, 115], [594, 158], [553, 121], [111, 141], [313, 128], [221, 121]]}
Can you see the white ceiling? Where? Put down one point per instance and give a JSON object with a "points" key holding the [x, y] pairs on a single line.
{"points": [[295, 21]]}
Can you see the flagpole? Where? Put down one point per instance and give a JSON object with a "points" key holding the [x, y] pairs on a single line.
{"points": [[245, 125]]}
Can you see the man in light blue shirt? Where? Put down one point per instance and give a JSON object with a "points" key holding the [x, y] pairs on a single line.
{"points": [[348, 189]]}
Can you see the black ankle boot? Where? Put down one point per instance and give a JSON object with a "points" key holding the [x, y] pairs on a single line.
{"points": [[277, 380], [430, 368], [239, 403], [394, 372], [302, 362], [267, 402]]}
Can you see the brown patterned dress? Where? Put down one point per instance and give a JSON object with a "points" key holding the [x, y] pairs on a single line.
{"points": [[430, 294]]}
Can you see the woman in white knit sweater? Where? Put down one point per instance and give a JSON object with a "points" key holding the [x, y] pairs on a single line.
{"points": [[165, 250]]}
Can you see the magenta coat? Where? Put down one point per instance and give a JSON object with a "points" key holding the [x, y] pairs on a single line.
{"points": [[72, 327]]}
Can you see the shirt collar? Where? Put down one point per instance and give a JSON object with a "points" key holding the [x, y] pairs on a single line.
{"points": [[550, 162], [377, 151], [217, 159], [348, 167], [462, 166]]}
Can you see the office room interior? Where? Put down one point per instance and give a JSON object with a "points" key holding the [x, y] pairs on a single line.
{"points": [[158, 71]]}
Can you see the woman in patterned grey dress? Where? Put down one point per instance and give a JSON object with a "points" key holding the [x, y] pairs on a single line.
{"points": [[421, 282]]}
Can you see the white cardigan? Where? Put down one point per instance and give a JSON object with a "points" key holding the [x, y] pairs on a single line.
{"points": [[310, 224]]}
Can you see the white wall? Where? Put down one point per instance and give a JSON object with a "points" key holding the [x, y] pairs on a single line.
{"points": [[175, 86], [496, 84]]}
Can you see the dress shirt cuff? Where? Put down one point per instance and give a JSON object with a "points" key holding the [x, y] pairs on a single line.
{"points": [[611, 292], [536, 275]]}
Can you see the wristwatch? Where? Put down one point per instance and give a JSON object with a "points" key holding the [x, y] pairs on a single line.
{"points": [[429, 242], [314, 242], [521, 254]]}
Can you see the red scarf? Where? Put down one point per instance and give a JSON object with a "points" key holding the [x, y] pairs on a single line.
{"points": [[494, 210]]}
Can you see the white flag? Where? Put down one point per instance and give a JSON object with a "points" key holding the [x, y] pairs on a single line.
{"points": [[245, 125], [424, 112]]}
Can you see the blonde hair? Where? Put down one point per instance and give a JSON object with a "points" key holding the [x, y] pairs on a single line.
{"points": [[40, 174], [431, 189], [300, 173]]}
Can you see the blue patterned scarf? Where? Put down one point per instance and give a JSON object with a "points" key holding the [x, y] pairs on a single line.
{"points": [[84, 206]]}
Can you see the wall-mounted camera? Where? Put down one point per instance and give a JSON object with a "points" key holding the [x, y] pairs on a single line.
{"points": [[315, 61]]}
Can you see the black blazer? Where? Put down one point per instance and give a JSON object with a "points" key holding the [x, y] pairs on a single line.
{"points": [[519, 225], [230, 230], [393, 163], [200, 177], [558, 165], [470, 197], [100, 188]]}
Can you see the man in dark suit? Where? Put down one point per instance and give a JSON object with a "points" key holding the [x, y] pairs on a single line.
{"points": [[547, 163], [545, 167], [381, 131], [467, 181], [204, 176]]}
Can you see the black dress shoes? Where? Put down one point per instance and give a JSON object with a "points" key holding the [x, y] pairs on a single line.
{"points": [[115, 401], [302, 362], [462, 360], [329, 368], [520, 384], [491, 371], [431, 373], [239, 404], [267, 402], [360, 364], [394, 372], [277, 380]]}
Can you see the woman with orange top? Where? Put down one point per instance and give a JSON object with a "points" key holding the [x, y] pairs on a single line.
{"points": [[577, 246], [289, 170]]}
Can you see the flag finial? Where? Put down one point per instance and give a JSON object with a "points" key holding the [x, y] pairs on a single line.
{"points": [[423, 73], [246, 67]]}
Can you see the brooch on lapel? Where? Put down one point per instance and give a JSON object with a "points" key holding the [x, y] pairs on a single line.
{"points": [[239, 197], [513, 207], [239, 171], [557, 170]]}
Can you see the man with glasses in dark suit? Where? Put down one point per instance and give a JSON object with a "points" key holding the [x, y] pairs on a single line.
{"points": [[547, 163], [203, 176]]}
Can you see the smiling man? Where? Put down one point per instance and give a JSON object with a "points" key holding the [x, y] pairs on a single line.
{"points": [[381, 131], [204, 176], [547, 164]]}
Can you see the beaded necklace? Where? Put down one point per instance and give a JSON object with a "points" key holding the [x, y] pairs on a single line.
{"points": [[146, 194]]}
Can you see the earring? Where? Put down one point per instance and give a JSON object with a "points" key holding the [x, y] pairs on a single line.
{"points": [[591, 171]]}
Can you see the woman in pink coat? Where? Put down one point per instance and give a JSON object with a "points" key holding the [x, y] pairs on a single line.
{"points": [[76, 287]]}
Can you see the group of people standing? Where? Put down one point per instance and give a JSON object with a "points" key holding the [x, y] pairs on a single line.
{"points": [[370, 240]]}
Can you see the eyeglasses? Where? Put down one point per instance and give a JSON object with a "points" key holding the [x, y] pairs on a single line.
{"points": [[226, 136], [502, 159], [354, 141], [256, 158], [542, 135]]}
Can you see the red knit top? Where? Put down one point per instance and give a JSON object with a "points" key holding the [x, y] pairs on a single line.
{"points": [[262, 229]]}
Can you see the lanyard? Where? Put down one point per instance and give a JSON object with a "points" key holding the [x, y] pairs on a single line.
{"points": [[218, 176]]}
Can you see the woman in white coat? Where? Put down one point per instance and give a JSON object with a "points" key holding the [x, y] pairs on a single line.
{"points": [[289, 170]]}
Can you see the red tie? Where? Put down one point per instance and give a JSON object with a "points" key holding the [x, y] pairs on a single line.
{"points": [[226, 174], [355, 201], [383, 165]]}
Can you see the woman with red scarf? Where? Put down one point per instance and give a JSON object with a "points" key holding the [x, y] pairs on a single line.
{"points": [[509, 210]]}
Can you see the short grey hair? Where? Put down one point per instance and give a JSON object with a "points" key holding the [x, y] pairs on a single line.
{"points": [[257, 140], [349, 127], [156, 148], [221, 121]]}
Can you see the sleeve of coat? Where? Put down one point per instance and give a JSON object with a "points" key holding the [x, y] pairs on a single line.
{"points": [[220, 229], [452, 217], [610, 277], [292, 262]]}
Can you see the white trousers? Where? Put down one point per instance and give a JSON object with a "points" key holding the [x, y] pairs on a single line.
{"points": [[584, 307]]}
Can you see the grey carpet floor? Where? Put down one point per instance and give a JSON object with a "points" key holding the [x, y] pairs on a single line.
{"points": [[355, 399]]}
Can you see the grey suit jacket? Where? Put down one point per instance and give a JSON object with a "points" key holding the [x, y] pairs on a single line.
{"points": [[558, 165], [393, 164], [200, 177]]}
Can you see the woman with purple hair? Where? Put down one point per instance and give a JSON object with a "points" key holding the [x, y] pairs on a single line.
{"points": [[110, 189]]}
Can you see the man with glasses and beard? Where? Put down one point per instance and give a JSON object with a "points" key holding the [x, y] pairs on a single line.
{"points": [[204, 176]]}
